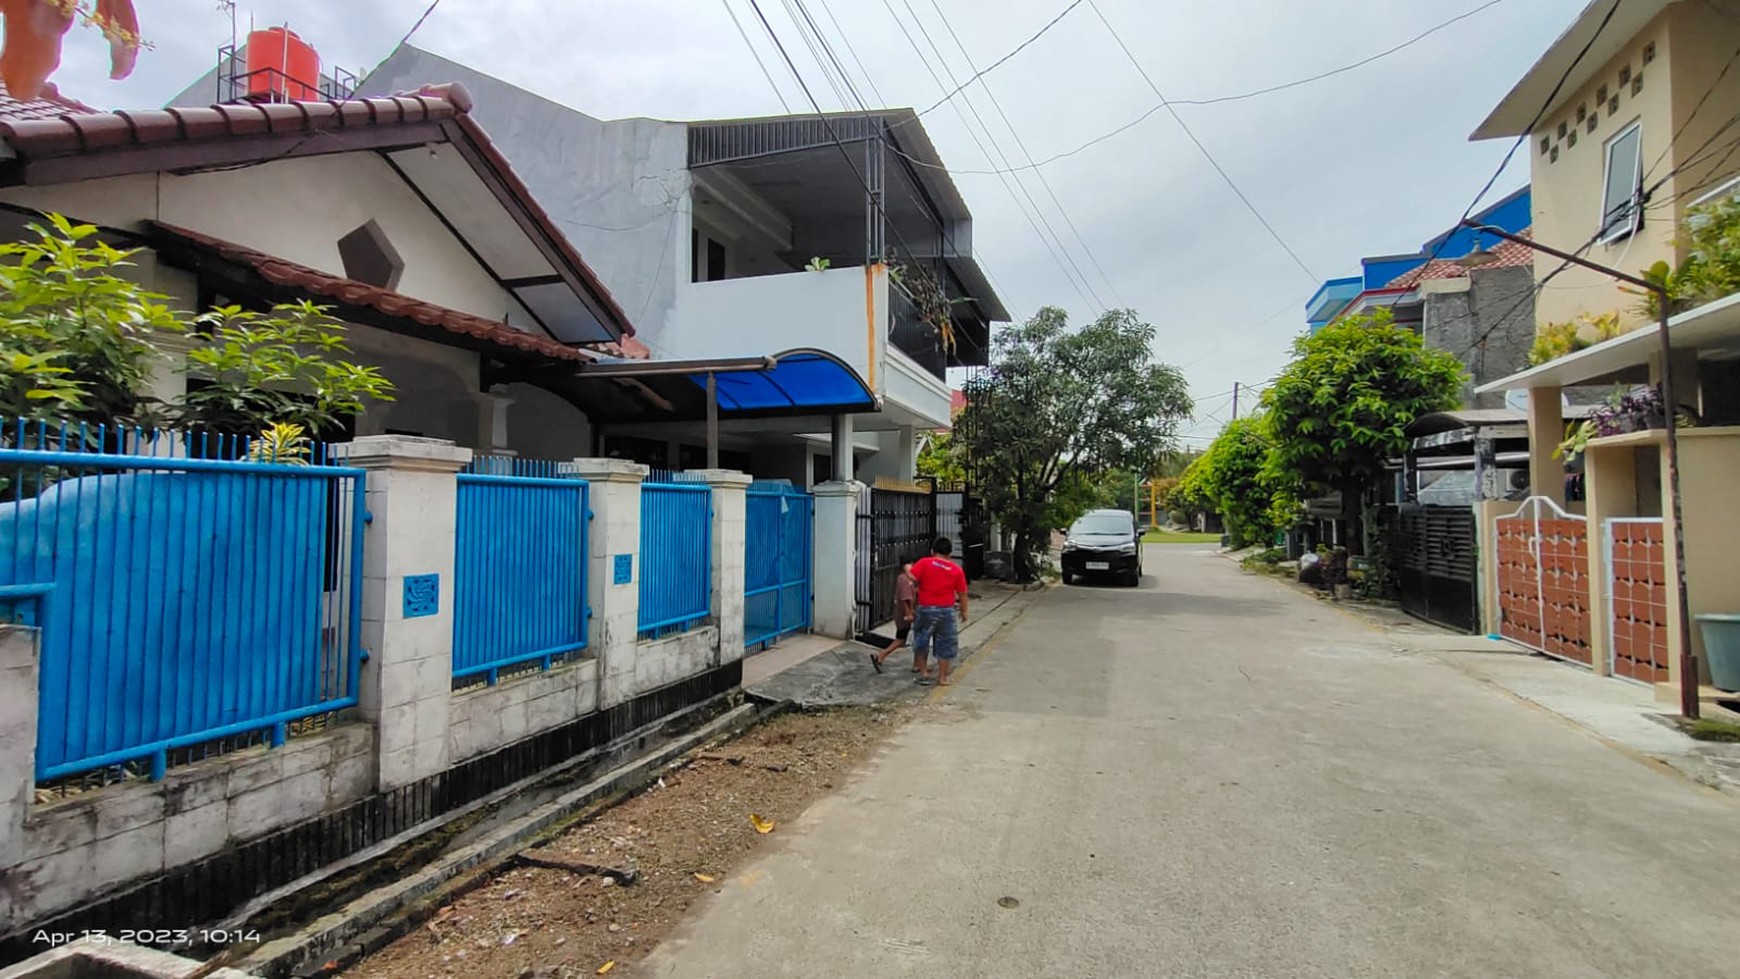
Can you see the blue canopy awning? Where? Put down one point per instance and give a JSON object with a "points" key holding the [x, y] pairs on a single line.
{"points": [[799, 382]]}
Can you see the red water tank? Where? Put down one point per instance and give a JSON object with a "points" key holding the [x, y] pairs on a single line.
{"points": [[282, 67]]}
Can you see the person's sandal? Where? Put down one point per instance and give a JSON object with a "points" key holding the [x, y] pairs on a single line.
{"points": [[876, 662], [924, 680]]}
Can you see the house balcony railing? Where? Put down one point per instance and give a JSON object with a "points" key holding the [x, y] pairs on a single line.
{"points": [[911, 335]]}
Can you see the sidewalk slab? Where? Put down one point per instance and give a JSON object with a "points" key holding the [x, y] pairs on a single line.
{"points": [[1623, 714], [841, 676]]}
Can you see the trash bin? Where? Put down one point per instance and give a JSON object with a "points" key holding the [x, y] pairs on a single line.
{"points": [[1722, 649]]}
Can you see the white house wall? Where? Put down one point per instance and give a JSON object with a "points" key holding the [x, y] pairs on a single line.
{"points": [[295, 209], [769, 314], [618, 190]]}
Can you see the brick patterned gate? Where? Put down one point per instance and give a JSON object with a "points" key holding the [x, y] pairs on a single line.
{"points": [[1637, 594], [1543, 580]]}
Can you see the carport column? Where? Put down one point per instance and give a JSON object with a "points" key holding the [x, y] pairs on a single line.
{"points": [[613, 574], [730, 526], [407, 598], [844, 441], [1546, 431], [835, 552]]}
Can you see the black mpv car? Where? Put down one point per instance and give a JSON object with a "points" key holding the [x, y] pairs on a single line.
{"points": [[1103, 542]]}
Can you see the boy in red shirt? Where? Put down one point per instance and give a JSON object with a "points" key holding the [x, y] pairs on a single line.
{"points": [[942, 595]]}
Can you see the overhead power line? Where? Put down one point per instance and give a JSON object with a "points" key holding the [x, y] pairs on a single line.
{"points": [[978, 74], [1022, 146], [1217, 100], [1081, 286], [1529, 129], [757, 56], [1205, 153]]}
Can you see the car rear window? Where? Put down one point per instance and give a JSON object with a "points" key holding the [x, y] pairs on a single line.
{"points": [[1101, 523]]}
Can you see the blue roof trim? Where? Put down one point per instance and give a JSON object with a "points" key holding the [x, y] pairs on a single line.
{"points": [[799, 381]]}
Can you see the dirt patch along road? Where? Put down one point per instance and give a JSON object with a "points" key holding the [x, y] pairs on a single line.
{"points": [[679, 839]]}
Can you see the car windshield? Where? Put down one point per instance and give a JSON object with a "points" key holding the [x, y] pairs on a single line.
{"points": [[1100, 523]]}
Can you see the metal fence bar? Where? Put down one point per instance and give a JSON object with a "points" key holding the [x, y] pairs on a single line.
{"points": [[520, 553], [676, 559], [181, 588], [777, 559]]}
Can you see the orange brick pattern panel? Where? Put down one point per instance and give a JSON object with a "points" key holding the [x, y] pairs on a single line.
{"points": [[1638, 560], [1543, 584], [1519, 597]]}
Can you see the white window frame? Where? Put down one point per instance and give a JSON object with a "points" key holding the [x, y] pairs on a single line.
{"points": [[1626, 228]]}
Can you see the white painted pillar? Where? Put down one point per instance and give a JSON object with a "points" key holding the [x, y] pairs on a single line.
{"points": [[906, 453], [407, 598], [844, 442], [18, 710], [1546, 431], [835, 550], [730, 527], [613, 576], [498, 423]]}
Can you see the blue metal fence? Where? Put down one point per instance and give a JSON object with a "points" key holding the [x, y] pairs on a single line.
{"points": [[676, 555], [519, 566], [779, 520], [187, 591]]}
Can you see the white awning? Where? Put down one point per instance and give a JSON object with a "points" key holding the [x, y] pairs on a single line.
{"points": [[1713, 330]]}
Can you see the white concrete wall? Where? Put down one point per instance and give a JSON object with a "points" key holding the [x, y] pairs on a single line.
{"points": [[54, 855], [618, 190], [924, 397], [484, 718], [296, 209], [413, 725], [768, 314]]}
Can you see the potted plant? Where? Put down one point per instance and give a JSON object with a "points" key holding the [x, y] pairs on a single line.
{"points": [[1722, 649], [1636, 410]]}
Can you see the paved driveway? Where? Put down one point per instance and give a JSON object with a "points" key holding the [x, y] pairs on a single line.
{"points": [[1215, 776]]}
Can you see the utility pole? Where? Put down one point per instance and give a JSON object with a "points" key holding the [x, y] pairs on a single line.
{"points": [[1235, 401]]}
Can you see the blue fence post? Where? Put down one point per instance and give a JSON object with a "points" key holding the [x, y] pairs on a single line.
{"points": [[407, 598]]}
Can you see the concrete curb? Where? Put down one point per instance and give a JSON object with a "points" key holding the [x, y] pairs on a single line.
{"points": [[339, 938]]}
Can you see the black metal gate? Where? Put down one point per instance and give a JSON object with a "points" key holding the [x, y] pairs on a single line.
{"points": [[894, 526], [1435, 558]]}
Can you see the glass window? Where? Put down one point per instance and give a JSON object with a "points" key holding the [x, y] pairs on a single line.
{"points": [[1101, 523], [1619, 210]]}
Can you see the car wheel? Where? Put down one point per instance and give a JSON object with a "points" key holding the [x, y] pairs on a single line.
{"points": [[1132, 578]]}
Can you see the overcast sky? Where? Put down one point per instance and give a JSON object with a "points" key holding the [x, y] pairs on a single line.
{"points": [[1369, 162]]}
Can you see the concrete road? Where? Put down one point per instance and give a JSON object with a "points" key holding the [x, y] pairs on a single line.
{"points": [[1213, 775]]}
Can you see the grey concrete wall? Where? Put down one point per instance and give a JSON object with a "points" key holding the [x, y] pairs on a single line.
{"points": [[484, 718], [618, 189], [68, 850], [1489, 326]]}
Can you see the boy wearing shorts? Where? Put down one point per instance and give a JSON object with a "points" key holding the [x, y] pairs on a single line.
{"points": [[942, 601], [905, 609]]}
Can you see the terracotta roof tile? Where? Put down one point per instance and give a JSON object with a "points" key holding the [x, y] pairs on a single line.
{"points": [[1507, 254], [53, 126], [50, 105], [292, 275]]}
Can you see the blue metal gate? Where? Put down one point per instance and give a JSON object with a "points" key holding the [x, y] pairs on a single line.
{"points": [[187, 590], [776, 595]]}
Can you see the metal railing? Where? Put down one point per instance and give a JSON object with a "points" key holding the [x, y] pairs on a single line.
{"points": [[778, 522], [911, 335], [676, 556], [519, 570], [187, 591]]}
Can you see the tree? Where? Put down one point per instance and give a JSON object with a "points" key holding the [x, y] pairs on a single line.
{"points": [[34, 29], [77, 336], [943, 458], [78, 345], [1341, 408], [1056, 405], [1234, 480]]}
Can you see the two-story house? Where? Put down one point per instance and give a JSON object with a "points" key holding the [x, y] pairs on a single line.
{"points": [[743, 238], [1629, 123]]}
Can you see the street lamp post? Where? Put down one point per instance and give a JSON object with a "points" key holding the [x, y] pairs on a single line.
{"points": [[1671, 404]]}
